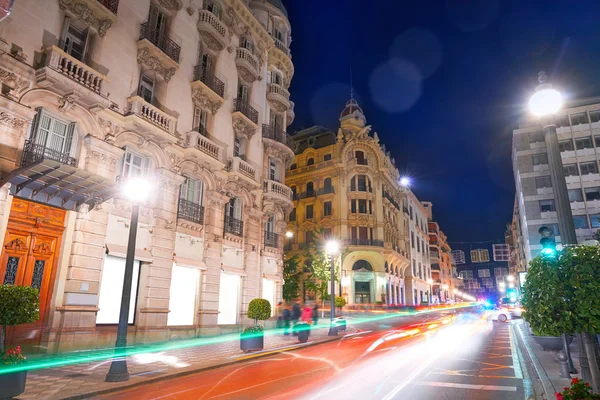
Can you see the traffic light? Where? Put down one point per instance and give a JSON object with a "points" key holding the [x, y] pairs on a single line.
{"points": [[547, 241]]}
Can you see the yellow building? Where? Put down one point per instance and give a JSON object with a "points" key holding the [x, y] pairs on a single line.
{"points": [[347, 186]]}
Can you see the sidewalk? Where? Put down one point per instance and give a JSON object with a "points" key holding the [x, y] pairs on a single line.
{"points": [[545, 363], [87, 379]]}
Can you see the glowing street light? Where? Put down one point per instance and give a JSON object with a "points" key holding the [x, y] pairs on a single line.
{"points": [[405, 181], [137, 190], [501, 284], [510, 278], [545, 101], [289, 234], [332, 248]]}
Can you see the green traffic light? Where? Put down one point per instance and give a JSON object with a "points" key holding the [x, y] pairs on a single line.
{"points": [[549, 252]]}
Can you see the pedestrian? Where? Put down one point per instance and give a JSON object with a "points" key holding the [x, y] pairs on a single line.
{"points": [[278, 313], [287, 316], [296, 313], [307, 314], [315, 314]]}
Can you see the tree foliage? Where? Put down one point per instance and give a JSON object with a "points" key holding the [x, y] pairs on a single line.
{"points": [[18, 305], [292, 279], [259, 309], [320, 269]]}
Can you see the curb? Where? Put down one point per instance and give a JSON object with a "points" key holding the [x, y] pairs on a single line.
{"points": [[243, 358], [539, 370]]}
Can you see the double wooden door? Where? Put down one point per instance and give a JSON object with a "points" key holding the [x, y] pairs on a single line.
{"points": [[29, 254]]}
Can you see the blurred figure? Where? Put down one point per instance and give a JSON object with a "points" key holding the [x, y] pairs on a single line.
{"points": [[286, 316], [307, 314], [296, 313], [279, 314], [315, 314]]}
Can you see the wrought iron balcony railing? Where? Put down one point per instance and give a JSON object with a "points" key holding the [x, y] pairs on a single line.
{"points": [[366, 242], [234, 226], [210, 80], [277, 134], [160, 40], [245, 108], [190, 211], [33, 152], [326, 190], [271, 239]]}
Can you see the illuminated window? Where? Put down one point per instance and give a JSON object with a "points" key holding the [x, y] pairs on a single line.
{"points": [[111, 288], [182, 301], [229, 292]]}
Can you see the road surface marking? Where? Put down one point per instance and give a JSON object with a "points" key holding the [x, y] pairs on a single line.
{"points": [[515, 358], [466, 386]]}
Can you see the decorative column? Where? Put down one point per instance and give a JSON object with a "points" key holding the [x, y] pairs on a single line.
{"points": [[253, 243], [155, 278]]}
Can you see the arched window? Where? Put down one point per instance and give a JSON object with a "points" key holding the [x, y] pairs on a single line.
{"points": [[310, 161], [233, 217], [360, 157], [360, 183], [327, 185], [362, 265], [293, 189], [310, 188]]}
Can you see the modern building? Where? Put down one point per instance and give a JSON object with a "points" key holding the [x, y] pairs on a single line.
{"points": [[514, 238], [442, 268], [578, 129], [346, 186], [192, 96], [481, 276]]}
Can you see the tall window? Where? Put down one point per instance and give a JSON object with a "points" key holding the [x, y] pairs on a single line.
{"points": [[362, 183], [200, 121], [309, 211], [327, 185], [247, 44], [192, 190], [276, 78], [276, 121], [213, 8], [242, 93], [310, 188], [75, 39], [53, 133], [157, 26], [135, 164], [293, 215], [327, 209], [239, 147], [233, 209], [270, 224], [146, 90], [205, 62], [273, 170]]}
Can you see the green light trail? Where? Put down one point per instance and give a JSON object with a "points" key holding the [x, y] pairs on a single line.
{"points": [[61, 360]]}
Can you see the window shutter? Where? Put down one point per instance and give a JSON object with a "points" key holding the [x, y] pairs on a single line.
{"points": [[72, 139], [33, 127], [63, 33], [146, 166], [237, 211], [86, 44]]}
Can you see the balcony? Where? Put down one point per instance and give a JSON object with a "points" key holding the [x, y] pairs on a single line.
{"points": [[278, 192], [365, 242], [207, 146], [281, 46], [52, 177], [244, 170], [99, 15], [150, 114], [233, 226], [435, 267], [290, 113], [245, 119], [247, 65], [190, 211], [326, 190], [158, 52], [212, 30], [306, 195], [278, 97], [271, 239], [67, 75], [208, 91], [272, 133]]}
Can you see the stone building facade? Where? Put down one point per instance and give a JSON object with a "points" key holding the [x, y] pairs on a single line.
{"points": [[442, 268], [193, 96], [345, 185]]}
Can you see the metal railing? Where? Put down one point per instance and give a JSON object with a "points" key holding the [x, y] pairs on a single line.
{"points": [[308, 194], [33, 153], [210, 80], [190, 211], [277, 134], [326, 190], [245, 108], [362, 161], [281, 46], [366, 242], [271, 239], [111, 5], [160, 40], [234, 226]]}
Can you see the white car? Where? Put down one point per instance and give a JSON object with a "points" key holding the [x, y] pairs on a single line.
{"points": [[498, 314]]}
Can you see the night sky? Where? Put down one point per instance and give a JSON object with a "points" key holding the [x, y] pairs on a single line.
{"points": [[443, 84]]}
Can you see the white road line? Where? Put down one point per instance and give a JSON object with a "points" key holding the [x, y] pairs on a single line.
{"points": [[465, 386], [515, 358]]}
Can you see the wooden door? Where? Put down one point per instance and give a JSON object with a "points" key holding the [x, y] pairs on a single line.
{"points": [[29, 254]]}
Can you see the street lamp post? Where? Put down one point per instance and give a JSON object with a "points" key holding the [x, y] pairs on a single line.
{"points": [[544, 103], [332, 248], [136, 190]]}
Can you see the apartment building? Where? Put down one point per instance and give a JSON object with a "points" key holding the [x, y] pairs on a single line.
{"points": [[482, 276], [193, 96], [578, 129], [441, 262]]}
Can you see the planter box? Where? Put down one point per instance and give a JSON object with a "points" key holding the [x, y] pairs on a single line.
{"points": [[252, 342], [13, 384], [551, 343]]}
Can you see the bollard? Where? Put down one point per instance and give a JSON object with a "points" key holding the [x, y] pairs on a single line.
{"points": [[564, 365]]}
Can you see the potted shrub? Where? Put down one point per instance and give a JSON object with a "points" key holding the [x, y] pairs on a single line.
{"points": [[339, 321], [253, 338], [548, 310], [18, 305], [579, 390]]}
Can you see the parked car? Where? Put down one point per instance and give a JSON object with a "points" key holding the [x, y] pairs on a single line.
{"points": [[498, 314], [515, 310]]}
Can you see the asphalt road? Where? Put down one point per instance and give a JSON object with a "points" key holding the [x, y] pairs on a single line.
{"points": [[435, 356]]}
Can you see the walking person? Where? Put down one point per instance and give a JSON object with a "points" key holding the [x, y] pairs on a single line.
{"points": [[296, 314], [286, 315], [307, 314], [279, 314], [315, 314]]}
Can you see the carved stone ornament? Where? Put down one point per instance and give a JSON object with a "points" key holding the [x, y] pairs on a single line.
{"points": [[242, 128], [246, 75], [154, 64], [111, 130], [175, 161], [14, 122], [84, 13], [11, 79], [201, 100], [102, 158], [67, 102], [190, 10], [173, 5]]}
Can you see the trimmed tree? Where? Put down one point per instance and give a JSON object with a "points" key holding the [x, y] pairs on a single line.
{"points": [[18, 305], [259, 309], [292, 279]]}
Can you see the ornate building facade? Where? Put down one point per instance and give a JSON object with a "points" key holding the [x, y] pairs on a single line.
{"points": [[442, 268], [192, 95], [346, 186]]}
